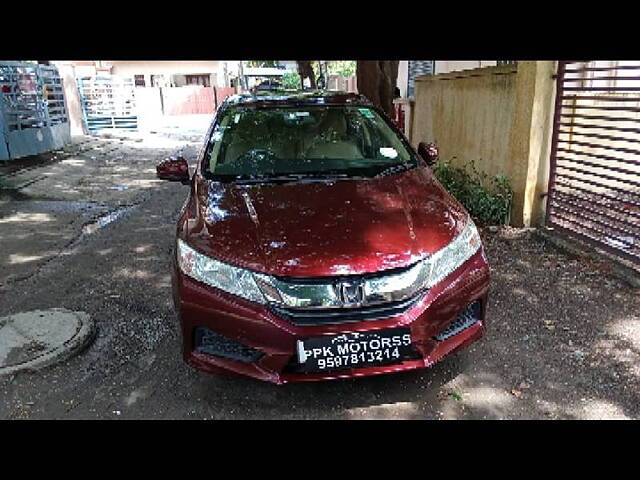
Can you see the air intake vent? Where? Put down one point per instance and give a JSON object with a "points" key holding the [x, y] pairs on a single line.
{"points": [[467, 318], [212, 343]]}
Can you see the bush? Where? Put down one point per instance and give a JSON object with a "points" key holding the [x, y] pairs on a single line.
{"points": [[487, 199], [346, 68], [291, 80]]}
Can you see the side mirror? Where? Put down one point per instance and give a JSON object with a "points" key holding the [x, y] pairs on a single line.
{"points": [[428, 152], [174, 169]]}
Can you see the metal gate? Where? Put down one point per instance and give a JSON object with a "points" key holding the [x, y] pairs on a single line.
{"points": [[594, 182], [108, 101], [33, 118]]}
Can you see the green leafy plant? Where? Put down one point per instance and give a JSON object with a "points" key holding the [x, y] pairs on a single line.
{"points": [[487, 199], [291, 80], [346, 68], [261, 63], [456, 396]]}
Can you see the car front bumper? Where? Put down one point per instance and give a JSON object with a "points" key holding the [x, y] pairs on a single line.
{"points": [[255, 326]]}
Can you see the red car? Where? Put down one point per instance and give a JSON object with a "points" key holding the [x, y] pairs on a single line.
{"points": [[316, 244]]}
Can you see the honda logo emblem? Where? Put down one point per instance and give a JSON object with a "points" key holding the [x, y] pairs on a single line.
{"points": [[351, 293]]}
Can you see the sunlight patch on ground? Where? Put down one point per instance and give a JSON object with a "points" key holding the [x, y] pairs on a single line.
{"points": [[142, 248], [76, 162], [598, 410], [130, 273], [16, 258], [134, 396], [627, 329], [624, 348], [27, 218], [396, 410], [495, 402], [527, 295], [481, 394], [146, 183]]}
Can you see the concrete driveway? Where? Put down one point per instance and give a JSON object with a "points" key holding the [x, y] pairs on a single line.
{"points": [[93, 232]]}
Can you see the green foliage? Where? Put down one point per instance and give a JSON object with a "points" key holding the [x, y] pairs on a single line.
{"points": [[261, 63], [342, 67], [456, 396], [487, 199], [291, 80]]}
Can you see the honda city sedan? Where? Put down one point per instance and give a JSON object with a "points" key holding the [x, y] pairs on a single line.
{"points": [[317, 244]]}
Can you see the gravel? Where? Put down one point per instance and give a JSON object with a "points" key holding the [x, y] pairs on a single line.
{"points": [[563, 336]]}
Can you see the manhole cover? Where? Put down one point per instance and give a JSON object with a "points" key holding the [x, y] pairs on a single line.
{"points": [[33, 340]]}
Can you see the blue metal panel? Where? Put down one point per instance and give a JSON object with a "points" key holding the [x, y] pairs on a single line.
{"points": [[33, 117], [4, 152], [34, 141]]}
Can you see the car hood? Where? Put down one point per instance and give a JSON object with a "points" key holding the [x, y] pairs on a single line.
{"points": [[314, 229]]}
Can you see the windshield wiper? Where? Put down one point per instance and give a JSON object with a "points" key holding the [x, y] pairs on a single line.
{"points": [[265, 179], [297, 177], [393, 169]]}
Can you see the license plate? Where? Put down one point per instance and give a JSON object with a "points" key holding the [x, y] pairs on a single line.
{"points": [[352, 350]]}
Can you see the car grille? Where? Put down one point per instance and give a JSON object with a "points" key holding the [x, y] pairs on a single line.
{"points": [[326, 316], [467, 318], [344, 291]]}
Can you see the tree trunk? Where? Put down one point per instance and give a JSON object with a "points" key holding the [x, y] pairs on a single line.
{"points": [[377, 81], [305, 70]]}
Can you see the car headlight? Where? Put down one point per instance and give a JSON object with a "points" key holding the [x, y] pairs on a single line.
{"points": [[237, 281], [446, 260]]}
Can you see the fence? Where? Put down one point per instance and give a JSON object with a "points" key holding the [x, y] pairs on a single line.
{"points": [[188, 100], [152, 103]]}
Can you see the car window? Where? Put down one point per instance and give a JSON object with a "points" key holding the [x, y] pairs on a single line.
{"points": [[268, 141]]}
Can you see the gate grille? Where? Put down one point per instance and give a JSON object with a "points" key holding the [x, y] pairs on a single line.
{"points": [[594, 182], [31, 95], [108, 101]]}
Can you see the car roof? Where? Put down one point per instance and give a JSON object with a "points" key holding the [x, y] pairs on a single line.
{"points": [[298, 97]]}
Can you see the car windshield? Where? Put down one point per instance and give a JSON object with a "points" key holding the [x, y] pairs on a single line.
{"points": [[271, 143]]}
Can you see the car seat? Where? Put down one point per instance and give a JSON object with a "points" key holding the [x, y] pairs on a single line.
{"points": [[331, 139]]}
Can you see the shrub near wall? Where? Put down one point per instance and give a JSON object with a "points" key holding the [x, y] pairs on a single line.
{"points": [[487, 199], [501, 117]]}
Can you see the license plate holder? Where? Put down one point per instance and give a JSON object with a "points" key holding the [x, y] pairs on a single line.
{"points": [[354, 350]]}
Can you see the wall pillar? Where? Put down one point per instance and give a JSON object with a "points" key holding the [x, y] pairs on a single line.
{"points": [[72, 99], [530, 141]]}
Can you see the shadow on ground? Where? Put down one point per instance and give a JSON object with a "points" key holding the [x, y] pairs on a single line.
{"points": [[563, 336]]}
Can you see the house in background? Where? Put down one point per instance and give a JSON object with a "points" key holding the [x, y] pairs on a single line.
{"points": [[145, 91], [160, 73]]}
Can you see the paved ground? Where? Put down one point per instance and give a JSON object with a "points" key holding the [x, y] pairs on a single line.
{"points": [[563, 342]]}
